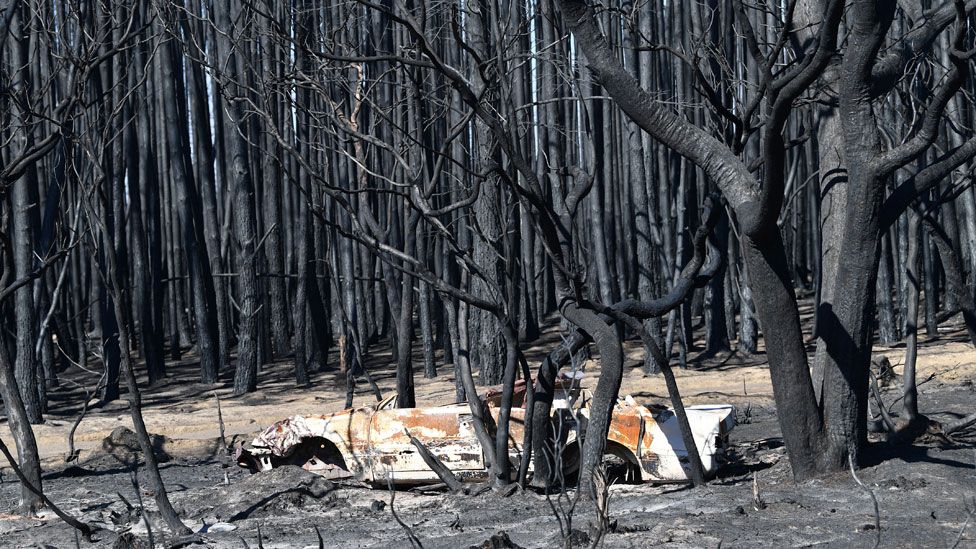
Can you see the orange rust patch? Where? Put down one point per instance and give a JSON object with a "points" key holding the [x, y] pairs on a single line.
{"points": [[445, 423], [625, 428]]}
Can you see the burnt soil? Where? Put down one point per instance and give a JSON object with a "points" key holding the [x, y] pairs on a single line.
{"points": [[925, 491]]}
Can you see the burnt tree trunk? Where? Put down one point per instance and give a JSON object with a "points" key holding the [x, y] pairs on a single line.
{"points": [[190, 212], [241, 188]]}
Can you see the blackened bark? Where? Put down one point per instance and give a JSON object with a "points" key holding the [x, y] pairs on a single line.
{"points": [[931, 281], [205, 170], [236, 131], [143, 190], [23, 202], [792, 387], [887, 332], [604, 396], [909, 388], [716, 330], [424, 310], [404, 371], [488, 354], [956, 286], [19, 423], [191, 215], [117, 289], [277, 296], [300, 309], [748, 327], [503, 466], [109, 330]]}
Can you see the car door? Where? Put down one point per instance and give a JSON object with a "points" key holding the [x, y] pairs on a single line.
{"points": [[447, 431]]}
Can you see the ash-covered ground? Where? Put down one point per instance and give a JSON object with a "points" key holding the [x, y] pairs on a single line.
{"points": [[925, 494]]}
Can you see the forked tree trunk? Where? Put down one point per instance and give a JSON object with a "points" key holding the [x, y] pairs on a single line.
{"points": [[604, 396]]}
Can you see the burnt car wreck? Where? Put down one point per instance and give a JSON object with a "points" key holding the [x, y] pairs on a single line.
{"points": [[373, 443]]}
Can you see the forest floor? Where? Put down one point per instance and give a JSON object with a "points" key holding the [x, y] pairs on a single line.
{"points": [[926, 492]]}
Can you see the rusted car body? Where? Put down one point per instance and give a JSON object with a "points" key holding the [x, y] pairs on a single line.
{"points": [[372, 443]]}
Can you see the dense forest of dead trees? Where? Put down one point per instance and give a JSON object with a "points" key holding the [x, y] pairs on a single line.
{"points": [[241, 182]]}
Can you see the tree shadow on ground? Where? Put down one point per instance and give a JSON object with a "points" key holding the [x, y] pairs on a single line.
{"points": [[879, 453]]}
